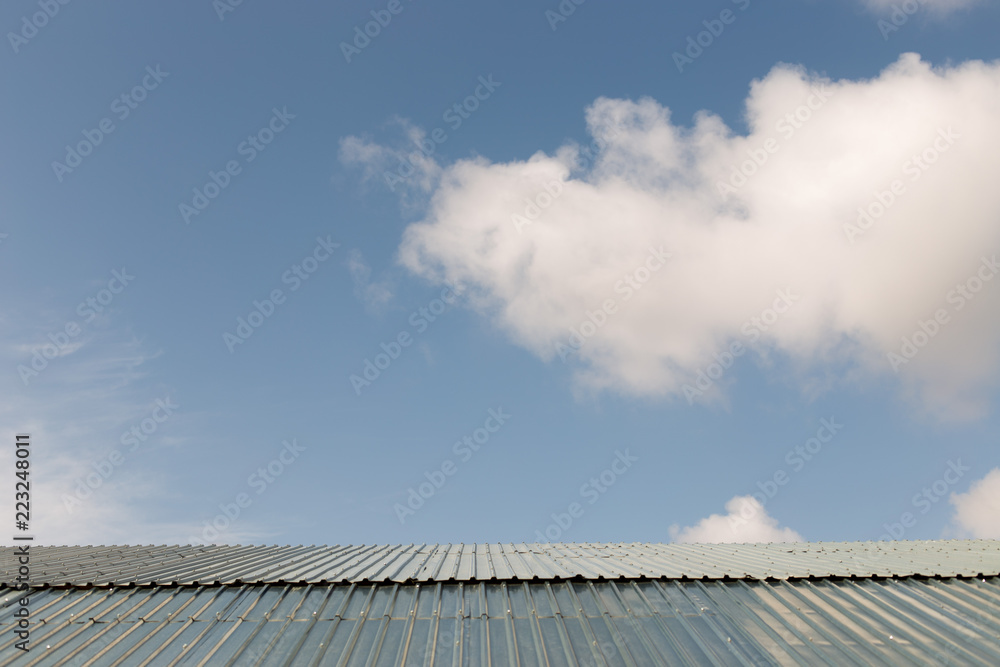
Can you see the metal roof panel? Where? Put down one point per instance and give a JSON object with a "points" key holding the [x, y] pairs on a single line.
{"points": [[621, 622], [225, 564]]}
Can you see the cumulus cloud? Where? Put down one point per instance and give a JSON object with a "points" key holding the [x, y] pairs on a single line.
{"points": [[977, 512], [831, 236], [746, 521]]}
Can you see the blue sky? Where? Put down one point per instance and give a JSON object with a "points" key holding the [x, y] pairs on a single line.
{"points": [[214, 216]]}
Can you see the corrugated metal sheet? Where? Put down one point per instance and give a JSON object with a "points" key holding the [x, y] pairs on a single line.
{"points": [[148, 565], [659, 622]]}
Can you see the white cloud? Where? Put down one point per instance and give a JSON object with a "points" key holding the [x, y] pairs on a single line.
{"points": [[746, 521], [977, 512], [594, 219]]}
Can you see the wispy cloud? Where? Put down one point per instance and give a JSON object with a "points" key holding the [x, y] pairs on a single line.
{"points": [[937, 8], [373, 294], [76, 412], [405, 168]]}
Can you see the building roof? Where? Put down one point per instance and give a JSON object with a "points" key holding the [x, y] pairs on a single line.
{"points": [[232, 564], [570, 622], [556, 604]]}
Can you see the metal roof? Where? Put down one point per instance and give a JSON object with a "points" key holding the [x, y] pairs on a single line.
{"points": [[581, 622], [222, 564], [510, 604], [149, 565]]}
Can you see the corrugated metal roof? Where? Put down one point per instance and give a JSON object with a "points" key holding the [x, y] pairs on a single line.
{"points": [[149, 565], [658, 622]]}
